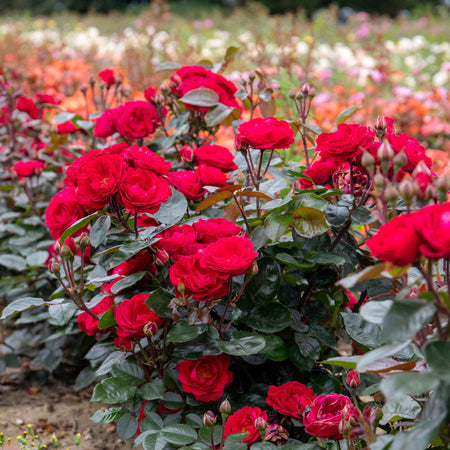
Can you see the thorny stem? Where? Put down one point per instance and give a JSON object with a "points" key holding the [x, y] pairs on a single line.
{"points": [[238, 203]]}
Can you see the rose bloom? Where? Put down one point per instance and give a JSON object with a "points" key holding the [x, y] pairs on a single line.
{"points": [[229, 256], [150, 94], [215, 156], [138, 119], [290, 399], [189, 78], [175, 238], [107, 76], [25, 104], [210, 176], [345, 144], [62, 211], [143, 190], [28, 168], [186, 154], [397, 241], [325, 415], [132, 315], [320, 172], [200, 283], [268, 133], [67, 128], [212, 230], [47, 98], [123, 343], [144, 158], [106, 125], [87, 323], [243, 421], [206, 377], [188, 183], [433, 227]]}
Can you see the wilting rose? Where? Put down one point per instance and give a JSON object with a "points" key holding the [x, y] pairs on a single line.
{"points": [[196, 281], [290, 399], [206, 377], [87, 323], [268, 133], [397, 241], [325, 415], [133, 315], [107, 76], [62, 211], [229, 256], [138, 120], [243, 421], [25, 104], [143, 190], [212, 230], [188, 183], [215, 156]]}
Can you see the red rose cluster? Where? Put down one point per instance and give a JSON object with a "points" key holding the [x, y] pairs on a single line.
{"points": [[425, 232], [206, 254], [133, 176], [189, 78], [26, 169]]}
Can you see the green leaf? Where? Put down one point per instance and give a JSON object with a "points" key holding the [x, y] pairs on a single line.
{"points": [[269, 318], [336, 215], [172, 211], [153, 390], [363, 332], [310, 222], [99, 230], [183, 332], [398, 385], [126, 427], [203, 97], [344, 115], [292, 261], [250, 345], [85, 378], [276, 225], [158, 302], [179, 434], [405, 319], [128, 281], [167, 66], [375, 311], [402, 408], [234, 439], [150, 440], [61, 313], [14, 262], [275, 349], [230, 52], [78, 225], [322, 335], [37, 258], [113, 390], [129, 372], [312, 127], [264, 285], [21, 305], [327, 258], [437, 356], [64, 117], [343, 361], [107, 415], [107, 320], [205, 433], [308, 346], [172, 400], [219, 113], [369, 273], [362, 216], [379, 353]]}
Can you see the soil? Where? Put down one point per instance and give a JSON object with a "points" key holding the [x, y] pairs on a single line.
{"points": [[57, 409]]}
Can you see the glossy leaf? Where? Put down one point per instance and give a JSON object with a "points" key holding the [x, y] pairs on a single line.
{"points": [[203, 97], [310, 222], [346, 114]]}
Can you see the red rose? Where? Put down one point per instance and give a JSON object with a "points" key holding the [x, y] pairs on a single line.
{"points": [[320, 172], [433, 228], [229, 256], [62, 211], [99, 180], [325, 416], [212, 230], [188, 183], [106, 125], [243, 421], [46, 98], [87, 323], [346, 144], [200, 283], [28, 168], [133, 315], [138, 119], [67, 128], [143, 190], [215, 156], [194, 77], [175, 238], [150, 94], [123, 343], [397, 241], [107, 76], [206, 377], [290, 399], [144, 158], [186, 154], [210, 176], [268, 133], [25, 104], [353, 379]]}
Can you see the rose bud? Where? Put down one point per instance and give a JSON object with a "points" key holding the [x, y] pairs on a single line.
{"points": [[390, 193], [291, 93], [400, 160], [368, 161], [261, 425], [312, 92], [353, 379], [355, 432], [385, 155], [187, 154], [84, 240], [66, 252], [406, 190], [380, 127], [150, 329], [161, 257], [305, 89], [53, 266], [378, 179], [370, 414], [225, 407], [209, 419]]}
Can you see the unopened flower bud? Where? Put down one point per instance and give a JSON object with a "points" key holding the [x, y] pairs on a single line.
{"points": [[260, 424], [240, 178], [187, 154], [355, 432], [400, 160], [83, 88], [370, 414], [57, 247], [390, 193], [164, 88], [91, 80], [251, 76], [305, 89], [181, 289], [84, 240], [291, 93], [209, 419], [161, 257], [254, 270], [299, 95], [344, 427], [385, 156], [159, 99], [443, 183], [150, 329], [353, 379], [378, 179], [53, 266], [176, 79], [380, 127], [368, 161], [406, 190], [312, 92], [66, 252], [225, 407]]}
